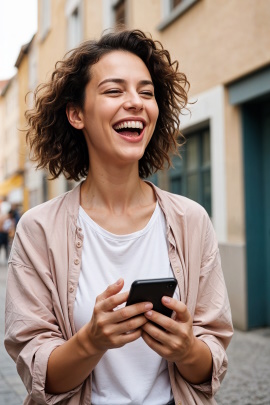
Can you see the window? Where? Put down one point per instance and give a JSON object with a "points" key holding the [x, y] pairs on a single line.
{"points": [[45, 18], [174, 3], [120, 12], [191, 175], [74, 28], [172, 9], [74, 15]]}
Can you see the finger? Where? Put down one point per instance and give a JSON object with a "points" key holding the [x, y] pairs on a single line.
{"points": [[159, 326], [153, 343], [179, 307], [129, 337], [111, 290], [129, 325], [111, 303], [130, 311]]}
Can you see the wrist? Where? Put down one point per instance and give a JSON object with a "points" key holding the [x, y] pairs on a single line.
{"points": [[192, 355], [85, 346], [197, 365]]}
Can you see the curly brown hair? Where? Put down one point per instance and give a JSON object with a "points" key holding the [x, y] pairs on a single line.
{"points": [[59, 147]]}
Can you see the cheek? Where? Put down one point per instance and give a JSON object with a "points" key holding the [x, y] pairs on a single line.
{"points": [[155, 113]]}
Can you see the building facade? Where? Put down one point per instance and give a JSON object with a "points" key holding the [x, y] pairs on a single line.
{"points": [[224, 49]]}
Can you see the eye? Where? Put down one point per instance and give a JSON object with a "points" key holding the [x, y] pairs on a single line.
{"points": [[113, 91], [147, 93]]}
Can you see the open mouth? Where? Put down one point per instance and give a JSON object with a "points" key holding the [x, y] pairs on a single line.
{"points": [[129, 128]]}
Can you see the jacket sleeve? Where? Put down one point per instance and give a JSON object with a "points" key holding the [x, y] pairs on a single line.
{"points": [[212, 321], [32, 328]]}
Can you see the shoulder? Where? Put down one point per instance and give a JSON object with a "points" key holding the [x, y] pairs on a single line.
{"points": [[52, 213], [179, 205], [44, 213]]}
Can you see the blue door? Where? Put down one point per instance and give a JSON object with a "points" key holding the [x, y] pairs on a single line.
{"points": [[266, 190], [256, 146]]}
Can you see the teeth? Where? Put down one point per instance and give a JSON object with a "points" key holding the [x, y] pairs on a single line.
{"points": [[129, 124]]}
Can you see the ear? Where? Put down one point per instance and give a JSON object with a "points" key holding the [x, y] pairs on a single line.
{"points": [[74, 116]]}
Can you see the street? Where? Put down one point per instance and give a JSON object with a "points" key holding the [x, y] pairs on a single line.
{"points": [[246, 383]]}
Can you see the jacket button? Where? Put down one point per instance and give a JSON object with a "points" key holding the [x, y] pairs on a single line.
{"points": [[76, 261], [79, 244], [71, 289]]}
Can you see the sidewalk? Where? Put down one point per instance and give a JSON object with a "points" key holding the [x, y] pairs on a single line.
{"points": [[246, 383]]}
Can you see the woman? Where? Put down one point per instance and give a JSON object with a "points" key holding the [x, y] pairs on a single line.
{"points": [[110, 113]]}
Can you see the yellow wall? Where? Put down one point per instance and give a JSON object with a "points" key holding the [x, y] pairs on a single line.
{"points": [[23, 89], [93, 19], [53, 47], [219, 41], [145, 15]]}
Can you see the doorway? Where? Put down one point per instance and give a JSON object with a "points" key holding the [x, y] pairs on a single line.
{"points": [[256, 146]]}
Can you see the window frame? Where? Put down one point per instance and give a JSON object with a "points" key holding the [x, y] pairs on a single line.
{"points": [[75, 22], [45, 18], [170, 14], [117, 4], [182, 174]]}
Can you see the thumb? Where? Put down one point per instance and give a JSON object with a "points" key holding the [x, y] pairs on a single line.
{"points": [[112, 289]]}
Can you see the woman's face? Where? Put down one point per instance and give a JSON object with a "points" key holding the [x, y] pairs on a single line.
{"points": [[120, 110]]}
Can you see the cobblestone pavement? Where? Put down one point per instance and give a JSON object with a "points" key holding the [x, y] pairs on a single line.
{"points": [[246, 383]]}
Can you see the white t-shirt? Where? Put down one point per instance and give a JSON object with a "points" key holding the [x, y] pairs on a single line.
{"points": [[133, 374]]}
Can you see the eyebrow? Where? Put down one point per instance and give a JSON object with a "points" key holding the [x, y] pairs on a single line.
{"points": [[122, 81]]}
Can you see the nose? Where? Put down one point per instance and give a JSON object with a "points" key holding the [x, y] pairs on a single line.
{"points": [[133, 101]]}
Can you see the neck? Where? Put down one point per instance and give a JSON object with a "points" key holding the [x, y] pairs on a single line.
{"points": [[115, 189]]}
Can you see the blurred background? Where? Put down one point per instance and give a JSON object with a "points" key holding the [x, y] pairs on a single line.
{"points": [[224, 49]]}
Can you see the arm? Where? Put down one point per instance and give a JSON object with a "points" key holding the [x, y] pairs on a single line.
{"points": [[178, 343], [203, 337], [70, 364], [37, 320]]}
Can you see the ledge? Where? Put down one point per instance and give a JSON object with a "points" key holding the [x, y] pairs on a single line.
{"points": [[179, 10]]}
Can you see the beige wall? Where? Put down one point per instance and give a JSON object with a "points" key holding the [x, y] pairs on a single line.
{"points": [[23, 89], [233, 257], [52, 47], [145, 15], [234, 172], [93, 19], [219, 41], [11, 133]]}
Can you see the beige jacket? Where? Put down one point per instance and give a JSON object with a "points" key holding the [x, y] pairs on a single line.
{"points": [[44, 268]]}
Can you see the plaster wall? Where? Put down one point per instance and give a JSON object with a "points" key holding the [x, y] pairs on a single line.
{"points": [[23, 89], [234, 173], [53, 45], [233, 258], [209, 107], [11, 135], [219, 41]]}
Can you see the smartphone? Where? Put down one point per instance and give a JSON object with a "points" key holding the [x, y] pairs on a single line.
{"points": [[152, 290]]}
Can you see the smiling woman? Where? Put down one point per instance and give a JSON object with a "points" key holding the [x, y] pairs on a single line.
{"points": [[110, 115], [62, 148]]}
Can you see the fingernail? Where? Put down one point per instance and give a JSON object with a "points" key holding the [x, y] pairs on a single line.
{"points": [[149, 313], [148, 306], [167, 300], [118, 281]]}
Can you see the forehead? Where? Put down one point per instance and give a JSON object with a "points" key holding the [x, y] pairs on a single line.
{"points": [[120, 64]]}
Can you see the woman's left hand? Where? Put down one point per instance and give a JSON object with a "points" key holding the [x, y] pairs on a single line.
{"points": [[174, 343]]}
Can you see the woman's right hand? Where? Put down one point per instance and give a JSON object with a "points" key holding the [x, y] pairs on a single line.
{"points": [[112, 327]]}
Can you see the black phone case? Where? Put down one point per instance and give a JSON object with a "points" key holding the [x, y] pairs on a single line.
{"points": [[152, 290]]}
